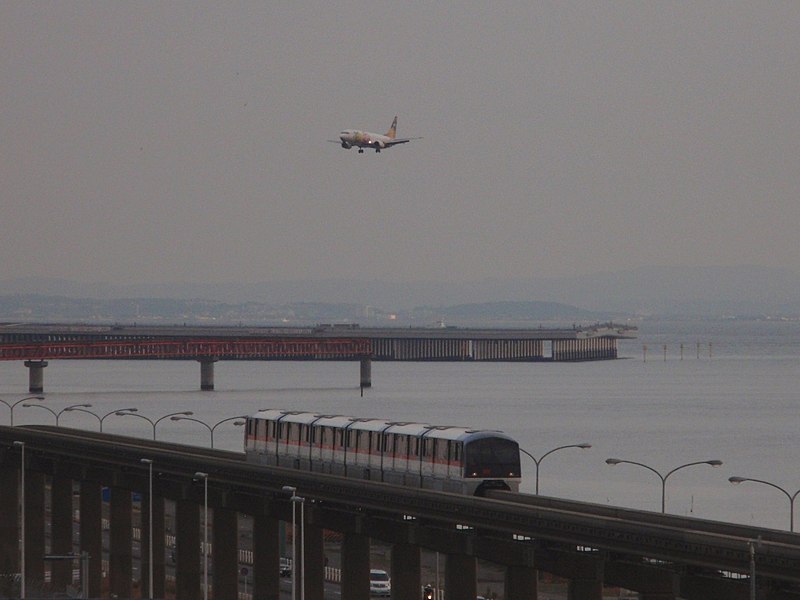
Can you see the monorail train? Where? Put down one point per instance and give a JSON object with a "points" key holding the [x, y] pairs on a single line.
{"points": [[451, 459]]}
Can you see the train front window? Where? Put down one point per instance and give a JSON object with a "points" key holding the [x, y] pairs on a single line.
{"points": [[492, 457]]}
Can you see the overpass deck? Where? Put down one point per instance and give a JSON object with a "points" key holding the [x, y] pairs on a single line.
{"points": [[510, 529]]}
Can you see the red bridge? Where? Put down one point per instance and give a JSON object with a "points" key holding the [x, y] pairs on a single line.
{"points": [[196, 349]]}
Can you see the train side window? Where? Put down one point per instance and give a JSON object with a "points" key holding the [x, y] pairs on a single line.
{"points": [[401, 445], [441, 451], [428, 447]]}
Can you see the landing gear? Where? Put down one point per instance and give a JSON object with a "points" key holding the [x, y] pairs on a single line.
{"points": [[361, 151], [377, 150]]}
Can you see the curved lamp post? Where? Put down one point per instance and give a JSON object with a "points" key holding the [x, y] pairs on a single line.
{"points": [[204, 476], [56, 414], [663, 478], [21, 446], [99, 417], [11, 405], [149, 420], [791, 497], [288, 489], [582, 445], [210, 428], [149, 463]]}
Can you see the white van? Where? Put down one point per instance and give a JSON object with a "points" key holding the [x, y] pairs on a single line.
{"points": [[379, 583]]}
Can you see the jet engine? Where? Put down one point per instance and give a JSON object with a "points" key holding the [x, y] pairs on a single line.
{"points": [[346, 145]]}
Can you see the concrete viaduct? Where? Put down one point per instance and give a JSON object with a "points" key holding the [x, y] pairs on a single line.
{"points": [[662, 557], [34, 345]]}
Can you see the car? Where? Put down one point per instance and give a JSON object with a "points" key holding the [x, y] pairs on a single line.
{"points": [[285, 567], [379, 583]]}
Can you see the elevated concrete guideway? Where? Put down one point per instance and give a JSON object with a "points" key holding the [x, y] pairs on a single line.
{"points": [[663, 557], [37, 344]]}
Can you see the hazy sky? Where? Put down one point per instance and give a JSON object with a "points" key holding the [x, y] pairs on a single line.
{"points": [[186, 141]]}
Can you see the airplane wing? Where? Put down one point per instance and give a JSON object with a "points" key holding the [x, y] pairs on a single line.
{"points": [[396, 141]]}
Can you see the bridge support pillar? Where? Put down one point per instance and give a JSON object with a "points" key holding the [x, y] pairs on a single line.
{"points": [[366, 372], [120, 552], [159, 568], [585, 589], [188, 576], [34, 532], [35, 375], [91, 533], [521, 583], [207, 374], [61, 515], [355, 567], [9, 525], [313, 584], [266, 557], [406, 571], [460, 576], [225, 557]]}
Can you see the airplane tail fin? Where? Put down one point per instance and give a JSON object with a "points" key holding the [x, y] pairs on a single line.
{"points": [[393, 129]]}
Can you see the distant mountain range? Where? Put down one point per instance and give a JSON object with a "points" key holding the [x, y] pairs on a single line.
{"points": [[689, 291]]}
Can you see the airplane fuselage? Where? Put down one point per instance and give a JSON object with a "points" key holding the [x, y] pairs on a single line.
{"points": [[364, 139]]}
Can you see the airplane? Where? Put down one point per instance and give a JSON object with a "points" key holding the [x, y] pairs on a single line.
{"points": [[364, 139]]}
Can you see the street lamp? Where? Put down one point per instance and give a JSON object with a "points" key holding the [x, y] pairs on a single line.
{"points": [[149, 463], [207, 426], [122, 413], [13, 404], [788, 495], [582, 445], [56, 414], [98, 417], [663, 478], [288, 489], [21, 446], [200, 474]]}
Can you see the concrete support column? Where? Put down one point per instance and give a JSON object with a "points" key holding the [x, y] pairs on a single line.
{"points": [[315, 562], [9, 524], [355, 567], [35, 375], [159, 568], [207, 374], [34, 531], [61, 515], [91, 533], [120, 552], [189, 575], [406, 571], [366, 372], [266, 555], [225, 557], [521, 583], [585, 589], [460, 576]]}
